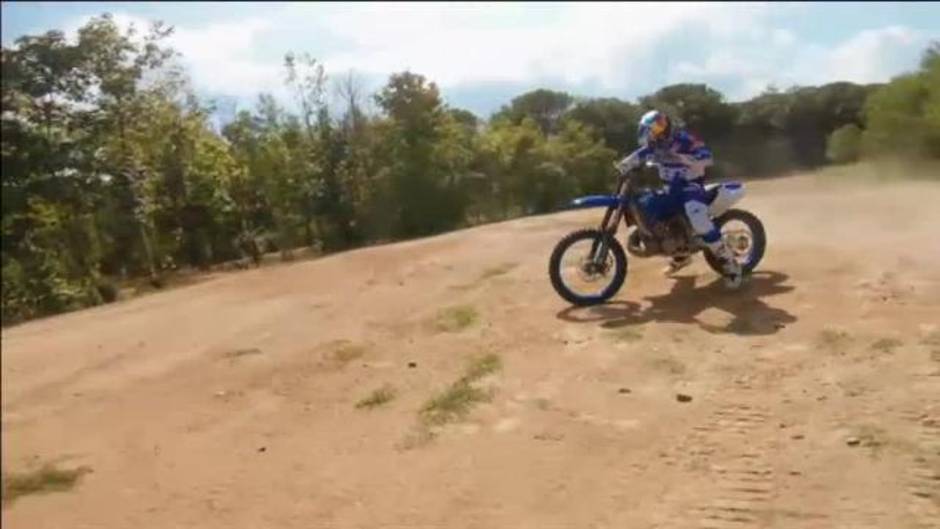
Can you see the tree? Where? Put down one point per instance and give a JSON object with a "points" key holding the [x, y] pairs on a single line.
{"points": [[931, 57], [844, 144], [700, 107], [427, 201], [464, 117], [66, 144], [903, 116], [115, 65], [113, 168], [613, 120], [587, 161], [350, 92], [307, 78], [546, 107], [509, 155]]}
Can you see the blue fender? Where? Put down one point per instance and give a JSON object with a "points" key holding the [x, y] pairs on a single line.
{"points": [[595, 201]]}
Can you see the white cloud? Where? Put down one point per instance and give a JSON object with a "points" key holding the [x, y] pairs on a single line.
{"points": [[573, 42], [873, 55], [782, 37], [220, 58], [123, 21], [619, 49], [782, 59]]}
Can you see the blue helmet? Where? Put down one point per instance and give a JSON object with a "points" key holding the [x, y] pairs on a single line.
{"points": [[654, 130]]}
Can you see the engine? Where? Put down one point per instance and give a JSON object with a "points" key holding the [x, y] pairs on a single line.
{"points": [[669, 238]]}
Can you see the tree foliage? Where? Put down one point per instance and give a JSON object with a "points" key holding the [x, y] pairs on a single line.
{"points": [[903, 117], [844, 145], [545, 107], [113, 170]]}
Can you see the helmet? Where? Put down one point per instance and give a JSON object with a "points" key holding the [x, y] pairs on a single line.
{"points": [[654, 130]]}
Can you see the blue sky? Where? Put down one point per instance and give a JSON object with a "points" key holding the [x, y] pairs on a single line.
{"points": [[483, 54]]}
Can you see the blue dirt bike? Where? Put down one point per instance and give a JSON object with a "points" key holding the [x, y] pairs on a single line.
{"points": [[589, 266]]}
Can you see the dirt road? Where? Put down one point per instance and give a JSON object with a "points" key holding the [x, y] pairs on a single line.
{"points": [[815, 391]]}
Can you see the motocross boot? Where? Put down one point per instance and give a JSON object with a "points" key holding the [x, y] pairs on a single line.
{"points": [[678, 262], [733, 275]]}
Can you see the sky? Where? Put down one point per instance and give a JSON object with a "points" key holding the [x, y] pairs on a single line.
{"points": [[481, 55]]}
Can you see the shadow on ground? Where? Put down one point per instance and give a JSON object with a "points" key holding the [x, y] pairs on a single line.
{"points": [[685, 302]]}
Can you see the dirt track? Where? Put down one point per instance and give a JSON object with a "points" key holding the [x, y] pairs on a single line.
{"points": [[225, 405]]}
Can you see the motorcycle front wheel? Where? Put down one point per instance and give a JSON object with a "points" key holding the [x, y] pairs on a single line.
{"points": [[578, 276]]}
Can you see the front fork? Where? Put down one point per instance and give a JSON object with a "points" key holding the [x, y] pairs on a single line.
{"points": [[600, 247]]}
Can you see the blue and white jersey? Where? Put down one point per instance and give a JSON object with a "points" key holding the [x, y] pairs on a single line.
{"points": [[683, 160]]}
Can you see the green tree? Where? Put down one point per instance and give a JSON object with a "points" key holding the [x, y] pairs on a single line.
{"points": [[903, 116], [424, 193], [844, 144], [546, 107], [464, 117], [613, 120], [698, 106], [112, 167], [60, 102], [115, 64], [585, 161], [509, 155]]}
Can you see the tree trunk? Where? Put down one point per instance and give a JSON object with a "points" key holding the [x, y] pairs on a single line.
{"points": [[135, 175], [148, 253]]}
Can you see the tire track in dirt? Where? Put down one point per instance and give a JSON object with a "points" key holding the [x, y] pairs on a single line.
{"points": [[744, 480], [852, 511], [923, 476], [739, 485]]}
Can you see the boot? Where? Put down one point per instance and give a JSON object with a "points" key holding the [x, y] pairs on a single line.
{"points": [[733, 275], [677, 263]]}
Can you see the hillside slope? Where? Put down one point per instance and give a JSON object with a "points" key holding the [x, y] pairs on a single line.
{"points": [[815, 390]]}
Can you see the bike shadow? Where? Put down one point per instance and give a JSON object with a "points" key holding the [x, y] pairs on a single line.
{"points": [[751, 316]]}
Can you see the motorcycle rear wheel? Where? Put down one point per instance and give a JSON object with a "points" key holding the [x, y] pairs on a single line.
{"points": [[748, 248]]}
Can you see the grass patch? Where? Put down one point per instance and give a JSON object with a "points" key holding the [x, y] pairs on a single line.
{"points": [[45, 479], [381, 396], [419, 436], [835, 340], [488, 274], [679, 336], [480, 367], [627, 334], [455, 319], [497, 271], [879, 440], [668, 364], [452, 404], [237, 353], [348, 352], [455, 402], [872, 437], [854, 388], [886, 345], [932, 338], [543, 404]]}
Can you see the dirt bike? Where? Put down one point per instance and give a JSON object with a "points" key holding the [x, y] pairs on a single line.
{"points": [[659, 229]]}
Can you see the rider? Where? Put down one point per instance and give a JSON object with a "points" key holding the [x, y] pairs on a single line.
{"points": [[682, 159]]}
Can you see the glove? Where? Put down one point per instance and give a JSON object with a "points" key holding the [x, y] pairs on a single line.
{"points": [[627, 164]]}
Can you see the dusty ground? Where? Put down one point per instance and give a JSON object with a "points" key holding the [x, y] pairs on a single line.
{"points": [[231, 403]]}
